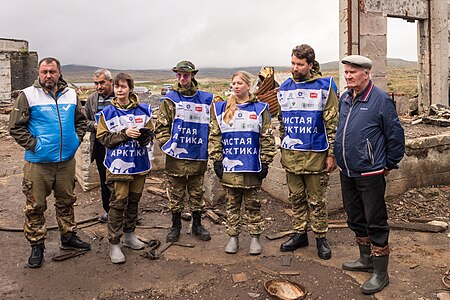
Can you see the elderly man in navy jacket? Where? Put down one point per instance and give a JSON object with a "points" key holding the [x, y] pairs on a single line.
{"points": [[369, 143]]}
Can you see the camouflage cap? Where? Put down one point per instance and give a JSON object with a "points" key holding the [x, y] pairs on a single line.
{"points": [[185, 66]]}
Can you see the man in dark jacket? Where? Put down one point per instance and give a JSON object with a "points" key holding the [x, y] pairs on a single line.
{"points": [[369, 143], [48, 121], [95, 103]]}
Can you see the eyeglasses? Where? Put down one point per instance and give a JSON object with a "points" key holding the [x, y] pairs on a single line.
{"points": [[102, 82], [184, 75]]}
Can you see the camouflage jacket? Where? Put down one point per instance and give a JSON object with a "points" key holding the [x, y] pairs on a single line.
{"points": [[310, 162], [268, 151], [113, 139], [163, 131]]}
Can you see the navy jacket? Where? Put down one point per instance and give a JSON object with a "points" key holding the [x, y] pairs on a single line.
{"points": [[369, 135]]}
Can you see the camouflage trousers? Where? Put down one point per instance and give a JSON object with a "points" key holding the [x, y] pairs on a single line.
{"points": [[39, 179], [309, 205], [252, 206], [123, 207], [177, 189]]}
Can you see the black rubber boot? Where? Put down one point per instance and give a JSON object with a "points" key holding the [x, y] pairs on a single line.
{"points": [[197, 229], [380, 277], [323, 250], [37, 256], [298, 240], [174, 233], [364, 262]]}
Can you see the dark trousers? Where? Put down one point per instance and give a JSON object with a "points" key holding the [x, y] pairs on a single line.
{"points": [[365, 207], [99, 156]]}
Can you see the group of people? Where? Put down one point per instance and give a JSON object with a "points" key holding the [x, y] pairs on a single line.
{"points": [[360, 134]]}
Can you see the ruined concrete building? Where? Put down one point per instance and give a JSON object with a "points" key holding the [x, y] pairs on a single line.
{"points": [[18, 67], [363, 30]]}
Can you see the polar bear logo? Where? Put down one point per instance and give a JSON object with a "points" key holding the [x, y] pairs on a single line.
{"points": [[119, 166], [290, 143], [230, 164], [176, 152]]}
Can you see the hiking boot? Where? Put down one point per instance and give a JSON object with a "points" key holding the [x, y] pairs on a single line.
{"points": [[298, 240], [380, 278], [363, 264], [130, 240], [233, 245], [197, 229], [103, 218], [323, 250], [255, 245], [37, 256], [115, 253], [73, 242], [174, 233]]}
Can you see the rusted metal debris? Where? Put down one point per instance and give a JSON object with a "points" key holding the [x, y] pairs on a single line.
{"points": [[239, 277], [267, 89]]}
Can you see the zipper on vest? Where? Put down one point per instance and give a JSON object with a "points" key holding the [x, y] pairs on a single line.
{"points": [[60, 129]]}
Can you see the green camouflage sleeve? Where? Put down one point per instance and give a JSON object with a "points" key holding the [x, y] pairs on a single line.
{"points": [[215, 149], [164, 121], [267, 139], [280, 119], [330, 118]]}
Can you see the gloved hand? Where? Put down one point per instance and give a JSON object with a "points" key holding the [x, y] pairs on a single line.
{"points": [[218, 168], [146, 136], [263, 173]]}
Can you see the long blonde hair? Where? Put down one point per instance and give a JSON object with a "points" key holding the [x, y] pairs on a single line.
{"points": [[231, 107]]}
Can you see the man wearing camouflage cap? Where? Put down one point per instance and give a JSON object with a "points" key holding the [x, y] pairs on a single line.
{"points": [[369, 143], [182, 133]]}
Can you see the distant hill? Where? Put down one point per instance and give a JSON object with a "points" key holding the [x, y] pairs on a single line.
{"points": [[81, 73]]}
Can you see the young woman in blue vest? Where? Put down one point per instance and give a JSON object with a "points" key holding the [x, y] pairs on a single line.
{"points": [[242, 146], [125, 128]]}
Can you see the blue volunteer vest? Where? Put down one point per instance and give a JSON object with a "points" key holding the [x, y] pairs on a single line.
{"points": [[129, 157], [302, 106], [190, 128], [53, 124], [240, 137]]}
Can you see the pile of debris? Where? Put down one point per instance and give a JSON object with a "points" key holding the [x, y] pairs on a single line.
{"points": [[267, 89], [439, 115]]}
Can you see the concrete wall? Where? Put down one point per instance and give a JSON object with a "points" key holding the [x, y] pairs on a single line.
{"points": [[5, 78], [13, 45], [426, 163], [24, 69], [363, 31]]}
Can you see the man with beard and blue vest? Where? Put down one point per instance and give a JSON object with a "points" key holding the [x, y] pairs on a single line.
{"points": [[48, 121], [182, 131], [308, 117]]}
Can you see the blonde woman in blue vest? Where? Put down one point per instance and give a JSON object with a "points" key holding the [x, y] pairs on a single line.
{"points": [[242, 146], [125, 129]]}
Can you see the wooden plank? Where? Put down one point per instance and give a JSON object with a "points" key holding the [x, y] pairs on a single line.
{"points": [[279, 235], [422, 227]]}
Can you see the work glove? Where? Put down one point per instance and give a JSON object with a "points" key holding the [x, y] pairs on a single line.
{"points": [[263, 173], [218, 168], [146, 136]]}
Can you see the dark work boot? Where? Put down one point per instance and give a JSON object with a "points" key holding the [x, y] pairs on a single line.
{"points": [[296, 241], [197, 229], [73, 242], [37, 256], [323, 250], [174, 233], [364, 262], [380, 277]]}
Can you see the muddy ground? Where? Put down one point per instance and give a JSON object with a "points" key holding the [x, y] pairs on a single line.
{"points": [[418, 260]]}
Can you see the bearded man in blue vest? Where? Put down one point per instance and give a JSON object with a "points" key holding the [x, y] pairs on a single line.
{"points": [[308, 117], [182, 129], [48, 121]]}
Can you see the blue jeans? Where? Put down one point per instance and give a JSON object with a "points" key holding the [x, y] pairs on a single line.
{"points": [[365, 207]]}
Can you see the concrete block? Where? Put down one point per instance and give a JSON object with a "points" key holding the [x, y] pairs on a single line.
{"points": [[373, 23]]}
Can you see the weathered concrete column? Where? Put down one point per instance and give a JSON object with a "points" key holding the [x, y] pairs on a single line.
{"points": [[439, 52]]}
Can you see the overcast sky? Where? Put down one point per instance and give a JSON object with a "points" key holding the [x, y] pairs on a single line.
{"points": [[155, 34]]}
